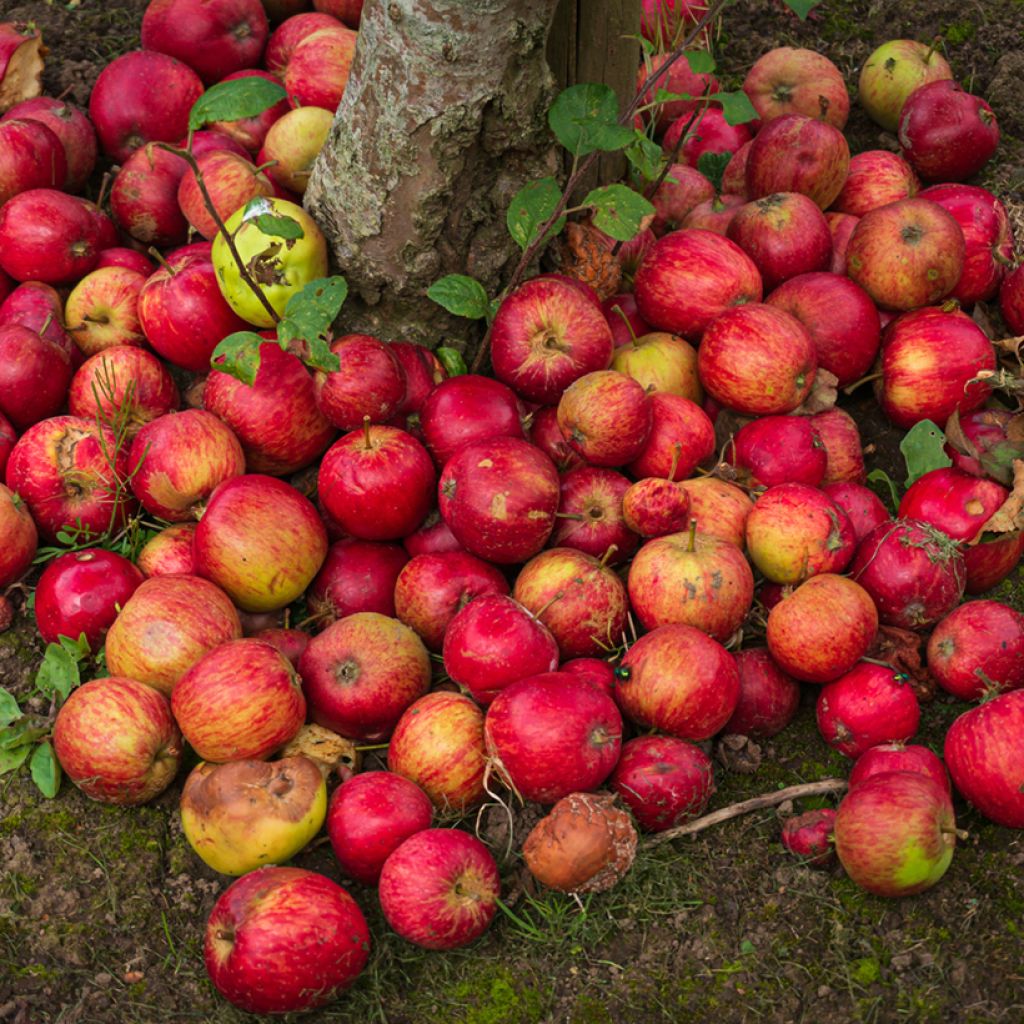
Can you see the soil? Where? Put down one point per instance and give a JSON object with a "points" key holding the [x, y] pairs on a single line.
{"points": [[102, 909]]}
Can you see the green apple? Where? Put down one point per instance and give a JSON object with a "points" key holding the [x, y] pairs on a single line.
{"points": [[294, 142], [282, 266], [893, 72], [245, 814]]}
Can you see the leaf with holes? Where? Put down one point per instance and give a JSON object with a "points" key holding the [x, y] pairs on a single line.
{"points": [[45, 770], [461, 295], [923, 448], [235, 100], [311, 312], [585, 118], [239, 355], [736, 107], [531, 208], [619, 211]]}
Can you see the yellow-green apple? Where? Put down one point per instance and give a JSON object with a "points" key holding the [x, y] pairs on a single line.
{"points": [[778, 450], [678, 680], [906, 254], [368, 385], [261, 541], [494, 641], [794, 153], [499, 498], [319, 66], [795, 532], [688, 278], [370, 816], [102, 309], [31, 156], [169, 552], [287, 36], [606, 417], [876, 177], [281, 939], [293, 142], [34, 375], [290, 268], [788, 80], [892, 72], [70, 125], [245, 814], [117, 741], [581, 600], [141, 97], [589, 516], [662, 362], [895, 833], [166, 626], [438, 743], [231, 182], [126, 385], [757, 359], [720, 508], [545, 335], [683, 188], [251, 132], [144, 196], [432, 588], [768, 697], [691, 578], [20, 537], [362, 672], [71, 474], [843, 448]]}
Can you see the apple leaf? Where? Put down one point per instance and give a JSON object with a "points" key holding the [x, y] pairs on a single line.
{"points": [[11, 760], [879, 476], [277, 226], [801, 8], [9, 710], [531, 208], [736, 107], [45, 769], [646, 156], [58, 674], [712, 166], [317, 355], [923, 450], [619, 211], [461, 295], [311, 311], [701, 62], [234, 100], [239, 355], [452, 361], [585, 118]]}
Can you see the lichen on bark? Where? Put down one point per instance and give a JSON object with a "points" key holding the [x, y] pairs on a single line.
{"points": [[443, 120]]}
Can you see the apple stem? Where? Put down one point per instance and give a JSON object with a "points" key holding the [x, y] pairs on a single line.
{"points": [[570, 515], [693, 536], [850, 388], [961, 834], [104, 185], [756, 803], [46, 324], [547, 604], [625, 319], [612, 548], [263, 167], [931, 49], [677, 451], [366, 432], [159, 257]]}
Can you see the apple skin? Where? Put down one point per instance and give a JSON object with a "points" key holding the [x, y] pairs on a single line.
{"points": [[892, 72], [930, 361], [594, 670], [785, 234], [895, 833], [83, 592], [977, 648], [900, 757], [261, 541], [794, 153], [319, 67], [34, 376], [8, 437], [808, 836], [102, 310], [876, 177], [370, 383], [590, 515], [795, 532], [231, 181], [719, 508], [660, 362], [906, 254], [664, 781], [39, 307], [680, 681], [544, 336], [757, 359], [431, 589], [716, 214], [655, 506], [282, 394], [166, 626], [581, 600], [21, 538], [117, 741], [551, 735], [283, 939], [144, 196], [983, 753], [438, 743], [440, 888], [695, 579], [682, 190], [870, 704], [287, 36], [688, 278], [778, 450], [377, 483], [990, 562], [842, 226], [822, 629], [357, 576], [141, 97], [423, 372], [243, 700], [71, 126], [862, 506], [844, 454], [768, 697], [294, 140], [606, 417], [545, 434], [1011, 300], [788, 80], [370, 816], [499, 498], [361, 673], [954, 501], [347, 11], [62, 449], [242, 815], [32, 157], [169, 552]]}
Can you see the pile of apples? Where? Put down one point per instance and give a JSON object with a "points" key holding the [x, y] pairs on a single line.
{"points": [[503, 579]]}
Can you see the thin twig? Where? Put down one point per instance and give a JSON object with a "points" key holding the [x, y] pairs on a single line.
{"points": [[756, 803]]}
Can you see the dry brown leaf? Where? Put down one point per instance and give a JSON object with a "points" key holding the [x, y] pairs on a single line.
{"points": [[823, 394], [1009, 517], [584, 255]]}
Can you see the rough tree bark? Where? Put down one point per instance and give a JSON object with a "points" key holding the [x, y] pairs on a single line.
{"points": [[442, 121]]}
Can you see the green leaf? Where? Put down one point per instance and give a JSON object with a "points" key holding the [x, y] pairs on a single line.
{"points": [[234, 100], [461, 295], [801, 8], [452, 361], [239, 355], [712, 166], [276, 225], [618, 210], [531, 207], [736, 107], [880, 477], [311, 312], [585, 118], [9, 710], [318, 355], [922, 448], [58, 675], [77, 648], [45, 769], [646, 156], [701, 62], [11, 760]]}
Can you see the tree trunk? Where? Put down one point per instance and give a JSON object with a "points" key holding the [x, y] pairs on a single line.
{"points": [[443, 120]]}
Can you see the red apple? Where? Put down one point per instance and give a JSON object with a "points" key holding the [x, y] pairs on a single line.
{"points": [[357, 576], [369, 384], [21, 62], [432, 537], [102, 310], [892, 72], [7, 440], [20, 537], [606, 417], [319, 66], [876, 177], [777, 450], [666, 23], [169, 552], [230, 180], [34, 376], [71, 126], [863, 507], [787, 80], [899, 757], [656, 506], [734, 178], [809, 837], [768, 697], [287, 36], [683, 188], [595, 671], [719, 508], [252, 132], [40, 308], [589, 516], [31, 156], [1011, 300], [715, 214], [679, 79], [957, 503], [843, 448], [842, 226], [144, 196], [711, 134], [423, 372]]}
